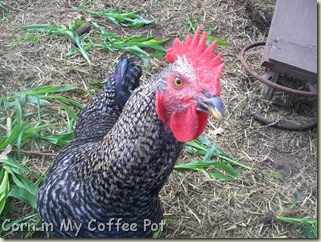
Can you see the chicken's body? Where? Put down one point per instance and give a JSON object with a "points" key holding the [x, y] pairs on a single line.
{"points": [[106, 185], [115, 174]]}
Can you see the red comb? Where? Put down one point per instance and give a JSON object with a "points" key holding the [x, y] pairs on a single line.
{"points": [[206, 66]]}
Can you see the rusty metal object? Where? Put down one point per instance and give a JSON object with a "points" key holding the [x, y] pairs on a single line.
{"points": [[264, 78], [266, 81], [283, 124]]}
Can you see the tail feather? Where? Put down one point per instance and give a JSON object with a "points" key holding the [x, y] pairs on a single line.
{"points": [[98, 117], [124, 80]]}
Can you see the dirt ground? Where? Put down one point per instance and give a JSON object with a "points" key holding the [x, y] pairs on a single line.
{"points": [[196, 206]]}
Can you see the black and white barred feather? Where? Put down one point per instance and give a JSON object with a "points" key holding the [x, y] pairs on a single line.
{"points": [[98, 117], [116, 165]]}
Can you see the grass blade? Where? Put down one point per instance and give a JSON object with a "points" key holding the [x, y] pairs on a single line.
{"points": [[33, 93], [13, 164], [204, 164], [17, 131], [23, 195], [309, 226], [206, 148], [216, 175], [58, 139], [196, 145], [25, 190], [67, 100], [4, 188], [310, 231], [49, 29], [131, 20]]}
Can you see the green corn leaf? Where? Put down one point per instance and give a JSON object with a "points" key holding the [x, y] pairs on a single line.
{"points": [[50, 89], [35, 130], [231, 161], [22, 181], [69, 111], [58, 139], [195, 165], [310, 231], [277, 175], [4, 188], [227, 168], [204, 164], [67, 100], [20, 133], [17, 131], [7, 105], [157, 233], [57, 30], [204, 147], [197, 145], [134, 44], [216, 175], [97, 84], [24, 190], [46, 28], [209, 153], [107, 41], [71, 114], [204, 141], [192, 150], [17, 166], [76, 23], [180, 174], [23, 195], [131, 20], [296, 200], [211, 39], [297, 220], [18, 111], [30, 94], [36, 100]]}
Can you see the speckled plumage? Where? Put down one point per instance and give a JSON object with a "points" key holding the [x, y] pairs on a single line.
{"points": [[103, 112], [112, 169], [127, 141]]}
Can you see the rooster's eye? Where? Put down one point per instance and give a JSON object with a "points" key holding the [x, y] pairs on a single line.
{"points": [[178, 82]]}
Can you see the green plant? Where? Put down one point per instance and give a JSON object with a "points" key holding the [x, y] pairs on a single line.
{"points": [[131, 20], [136, 44], [21, 126], [215, 161], [106, 41], [309, 226], [3, 11], [52, 29]]}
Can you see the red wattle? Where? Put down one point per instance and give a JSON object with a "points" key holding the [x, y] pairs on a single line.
{"points": [[188, 125], [202, 122]]}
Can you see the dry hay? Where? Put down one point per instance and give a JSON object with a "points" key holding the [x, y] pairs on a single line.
{"points": [[196, 206]]}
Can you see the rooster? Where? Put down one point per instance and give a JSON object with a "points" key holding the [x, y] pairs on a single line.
{"points": [[106, 181]]}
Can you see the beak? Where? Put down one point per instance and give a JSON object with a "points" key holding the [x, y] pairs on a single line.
{"points": [[212, 105]]}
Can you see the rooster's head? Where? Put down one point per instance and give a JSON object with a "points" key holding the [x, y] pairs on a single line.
{"points": [[192, 87]]}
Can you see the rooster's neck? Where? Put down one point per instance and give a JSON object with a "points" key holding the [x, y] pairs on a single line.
{"points": [[138, 153]]}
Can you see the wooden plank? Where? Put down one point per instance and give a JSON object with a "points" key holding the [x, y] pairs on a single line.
{"points": [[296, 60], [291, 47]]}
